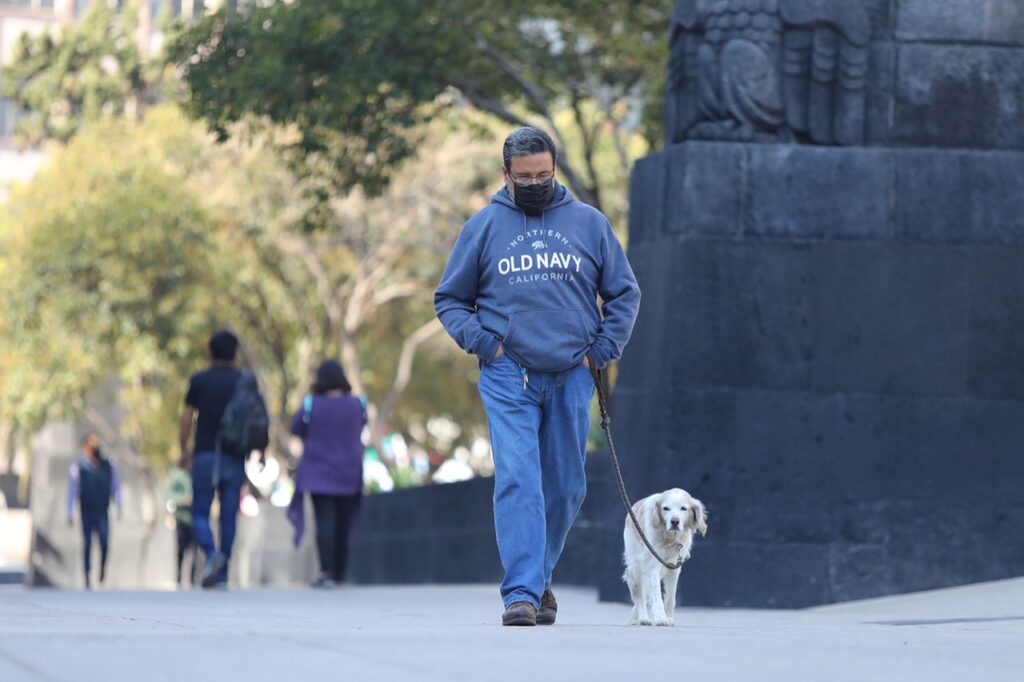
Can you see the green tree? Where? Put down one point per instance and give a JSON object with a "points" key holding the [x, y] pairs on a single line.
{"points": [[107, 256], [373, 70], [361, 290], [93, 68], [135, 241]]}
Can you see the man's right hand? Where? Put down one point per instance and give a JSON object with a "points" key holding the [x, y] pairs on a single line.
{"points": [[499, 353]]}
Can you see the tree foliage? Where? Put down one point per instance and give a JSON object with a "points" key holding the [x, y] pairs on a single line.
{"points": [[373, 70], [355, 137], [107, 250], [136, 241], [94, 68]]}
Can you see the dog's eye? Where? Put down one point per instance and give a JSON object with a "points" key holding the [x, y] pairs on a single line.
{"points": [[684, 508], [664, 508]]}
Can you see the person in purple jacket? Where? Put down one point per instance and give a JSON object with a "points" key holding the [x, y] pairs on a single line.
{"points": [[330, 424]]}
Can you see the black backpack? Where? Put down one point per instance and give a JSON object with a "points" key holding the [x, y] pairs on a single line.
{"points": [[245, 425]]}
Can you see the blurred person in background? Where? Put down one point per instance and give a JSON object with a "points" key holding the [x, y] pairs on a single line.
{"points": [[209, 392], [330, 424], [179, 504], [93, 481]]}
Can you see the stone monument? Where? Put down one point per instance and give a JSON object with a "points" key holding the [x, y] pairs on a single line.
{"points": [[830, 351]]}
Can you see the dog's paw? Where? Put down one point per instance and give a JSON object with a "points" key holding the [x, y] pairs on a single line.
{"points": [[667, 622], [644, 621]]}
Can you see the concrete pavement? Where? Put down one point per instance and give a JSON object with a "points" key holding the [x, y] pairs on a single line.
{"points": [[450, 633]]}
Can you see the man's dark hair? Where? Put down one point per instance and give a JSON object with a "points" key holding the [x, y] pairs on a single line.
{"points": [[223, 345], [331, 377], [525, 142]]}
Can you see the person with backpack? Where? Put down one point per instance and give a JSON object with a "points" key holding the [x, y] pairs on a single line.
{"points": [[231, 421], [330, 424], [93, 481]]}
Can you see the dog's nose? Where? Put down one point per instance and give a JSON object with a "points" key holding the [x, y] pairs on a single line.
{"points": [[675, 522]]}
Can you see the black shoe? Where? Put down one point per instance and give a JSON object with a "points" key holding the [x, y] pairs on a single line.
{"points": [[324, 583], [211, 571], [520, 613], [548, 609]]}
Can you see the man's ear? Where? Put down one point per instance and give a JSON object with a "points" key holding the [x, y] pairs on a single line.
{"points": [[697, 517]]}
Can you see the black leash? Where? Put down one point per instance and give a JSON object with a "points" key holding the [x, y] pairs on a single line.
{"points": [[606, 424]]}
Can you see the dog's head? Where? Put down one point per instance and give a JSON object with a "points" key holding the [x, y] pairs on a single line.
{"points": [[676, 510]]}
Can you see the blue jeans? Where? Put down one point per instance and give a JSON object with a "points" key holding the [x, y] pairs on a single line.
{"points": [[226, 481], [539, 443]]}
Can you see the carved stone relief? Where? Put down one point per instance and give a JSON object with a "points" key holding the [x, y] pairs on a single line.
{"points": [[768, 70]]}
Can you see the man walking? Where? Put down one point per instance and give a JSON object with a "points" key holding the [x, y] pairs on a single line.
{"points": [[520, 292], [213, 473], [93, 481]]}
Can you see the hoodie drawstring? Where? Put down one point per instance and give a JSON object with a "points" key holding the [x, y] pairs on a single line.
{"points": [[526, 226]]}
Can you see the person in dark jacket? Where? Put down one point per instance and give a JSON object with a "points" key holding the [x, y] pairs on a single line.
{"points": [[209, 393], [330, 424], [520, 292], [93, 481]]}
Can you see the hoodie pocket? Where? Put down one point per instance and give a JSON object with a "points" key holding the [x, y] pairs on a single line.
{"points": [[547, 340]]}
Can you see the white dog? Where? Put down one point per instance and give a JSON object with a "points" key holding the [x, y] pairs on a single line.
{"points": [[669, 520]]}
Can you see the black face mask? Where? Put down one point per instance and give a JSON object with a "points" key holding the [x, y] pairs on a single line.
{"points": [[533, 199], [97, 453]]}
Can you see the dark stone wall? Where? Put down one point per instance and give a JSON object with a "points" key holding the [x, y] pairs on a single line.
{"points": [[829, 355], [445, 534]]}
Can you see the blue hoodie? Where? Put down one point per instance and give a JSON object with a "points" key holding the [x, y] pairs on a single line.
{"points": [[530, 284]]}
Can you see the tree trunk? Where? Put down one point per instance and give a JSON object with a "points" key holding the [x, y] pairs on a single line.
{"points": [[403, 372], [350, 361]]}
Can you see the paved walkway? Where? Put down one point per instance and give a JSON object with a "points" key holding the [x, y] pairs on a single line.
{"points": [[449, 633]]}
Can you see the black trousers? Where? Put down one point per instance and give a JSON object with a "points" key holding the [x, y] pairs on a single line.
{"points": [[98, 522], [186, 534], [334, 519]]}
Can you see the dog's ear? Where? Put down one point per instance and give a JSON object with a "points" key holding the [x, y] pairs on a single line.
{"points": [[650, 512], [697, 517]]}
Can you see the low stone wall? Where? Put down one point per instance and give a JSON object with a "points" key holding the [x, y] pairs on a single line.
{"points": [[445, 534]]}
